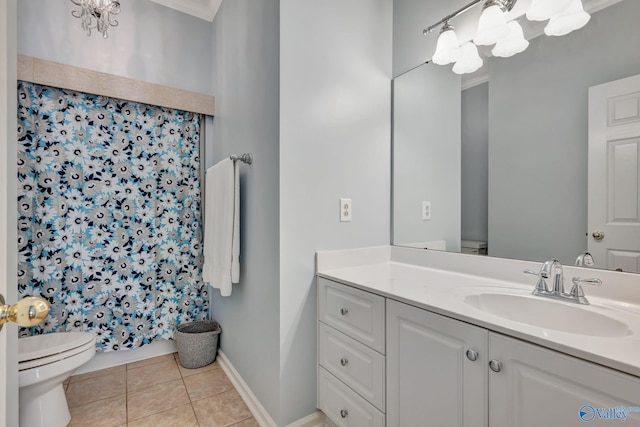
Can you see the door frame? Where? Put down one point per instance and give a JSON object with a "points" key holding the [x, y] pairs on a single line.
{"points": [[8, 209]]}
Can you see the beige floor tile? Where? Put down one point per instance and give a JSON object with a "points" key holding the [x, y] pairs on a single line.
{"points": [[188, 372], [90, 390], [207, 384], [102, 413], [151, 361], [155, 399], [182, 416], [148, 375], [251, 422], [97, 374], [224, 409]]}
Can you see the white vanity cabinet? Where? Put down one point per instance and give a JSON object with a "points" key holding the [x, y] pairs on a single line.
{"points": [[538, 387], [405, 366], [436, 369], [351, 347]]}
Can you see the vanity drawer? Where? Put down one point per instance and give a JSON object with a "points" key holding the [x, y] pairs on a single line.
{"points": [[357, 313], [355, 364], [343, 406]]}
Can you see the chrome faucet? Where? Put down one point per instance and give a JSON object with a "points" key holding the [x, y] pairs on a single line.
{"points": [[552, 269]]}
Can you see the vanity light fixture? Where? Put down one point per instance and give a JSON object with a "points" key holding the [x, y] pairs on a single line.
{"points": [[99, 10], [447, 48], [512, 44], [493, 28]]}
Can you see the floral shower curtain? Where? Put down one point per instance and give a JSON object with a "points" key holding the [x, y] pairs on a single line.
{"points": [[109, 227]]}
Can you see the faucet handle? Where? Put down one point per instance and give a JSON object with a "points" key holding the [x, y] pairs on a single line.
{"points": [[592, 281], [576, 291], [541, 286]]}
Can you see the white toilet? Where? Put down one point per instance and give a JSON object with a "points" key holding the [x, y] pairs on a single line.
{"points": [[44, 363]]}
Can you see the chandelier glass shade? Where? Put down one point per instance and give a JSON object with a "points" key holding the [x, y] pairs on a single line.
{"points": [[572, 18], [513, 43], [492, 26], [447, 48], [469, 61], [97, 15], [541, 10]]}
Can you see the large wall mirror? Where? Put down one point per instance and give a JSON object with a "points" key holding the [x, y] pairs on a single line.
{"points": [[521, 162]]}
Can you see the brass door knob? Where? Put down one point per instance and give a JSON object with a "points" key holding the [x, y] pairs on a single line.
{"points": [[598, 235], [28, 311]]}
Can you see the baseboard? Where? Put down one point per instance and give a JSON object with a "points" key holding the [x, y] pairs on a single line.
{"points": [[317, 419], [117, 358], [257, 410]]}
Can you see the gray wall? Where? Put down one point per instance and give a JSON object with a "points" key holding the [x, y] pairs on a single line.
{"points": [[426, 150], [304, 86], [538, 169], [475, 162], [152, 43], [335, 108], [245, 83]]}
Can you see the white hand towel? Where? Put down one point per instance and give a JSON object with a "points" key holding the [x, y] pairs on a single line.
{"points": [[221, 265]]}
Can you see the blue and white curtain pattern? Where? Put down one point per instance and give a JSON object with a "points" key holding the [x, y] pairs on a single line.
{"points": [[109, 227]]}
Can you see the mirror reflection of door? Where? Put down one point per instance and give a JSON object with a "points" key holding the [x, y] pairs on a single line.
{"points": [[614, 179]]}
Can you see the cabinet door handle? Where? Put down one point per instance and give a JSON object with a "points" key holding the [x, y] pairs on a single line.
{"points": [[344, 311], [344, 361], [472, 355], [344, 413], [495, 365]]}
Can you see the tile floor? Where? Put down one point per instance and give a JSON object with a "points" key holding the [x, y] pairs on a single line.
{"points": [[156, 392]]}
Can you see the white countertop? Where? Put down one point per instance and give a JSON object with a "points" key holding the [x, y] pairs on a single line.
{"points": [[443, 291]]}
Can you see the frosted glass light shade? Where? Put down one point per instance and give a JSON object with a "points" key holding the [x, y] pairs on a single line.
{"points": [[492, 26], [571, 19], [513, 43], [469, 61], [541, 10], [447, 48]]}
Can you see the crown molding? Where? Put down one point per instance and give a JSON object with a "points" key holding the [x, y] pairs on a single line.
{"points": [[203, 9]]}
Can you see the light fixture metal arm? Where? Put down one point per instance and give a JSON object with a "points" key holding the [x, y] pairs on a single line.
{"points": [[507, 5]]}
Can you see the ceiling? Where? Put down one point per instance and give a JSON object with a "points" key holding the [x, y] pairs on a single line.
{"points": [[203, 9]]}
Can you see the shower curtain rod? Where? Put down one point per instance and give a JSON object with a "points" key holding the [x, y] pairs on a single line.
{"points": [[246, 158]]}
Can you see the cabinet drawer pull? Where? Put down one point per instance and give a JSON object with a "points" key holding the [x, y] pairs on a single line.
{"points": [[495, 365], [344, 361], [472, 355], [344, 311], [344, 413]]}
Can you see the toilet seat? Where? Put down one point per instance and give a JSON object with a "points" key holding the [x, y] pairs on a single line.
{"points": [[41, 350]]}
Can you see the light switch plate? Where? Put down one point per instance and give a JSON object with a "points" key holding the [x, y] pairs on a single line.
{"points": [[426, 211]]}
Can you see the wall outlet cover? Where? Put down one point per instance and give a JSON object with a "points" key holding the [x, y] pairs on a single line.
{"points": [[345, 210]]}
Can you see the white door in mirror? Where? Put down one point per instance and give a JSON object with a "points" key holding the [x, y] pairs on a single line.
{"points": [[614, 162]]}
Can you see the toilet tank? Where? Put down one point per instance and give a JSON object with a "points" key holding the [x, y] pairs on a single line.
{"points": [[473, 247]]}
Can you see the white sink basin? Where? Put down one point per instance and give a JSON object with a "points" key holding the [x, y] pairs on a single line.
{"points": [[548, 314]]}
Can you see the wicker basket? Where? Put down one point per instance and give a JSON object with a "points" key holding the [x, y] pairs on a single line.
{"points": [[197, 343]]}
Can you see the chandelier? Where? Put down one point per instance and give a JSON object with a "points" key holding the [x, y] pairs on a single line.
{"points": [[97, 15], [564, 16]]}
